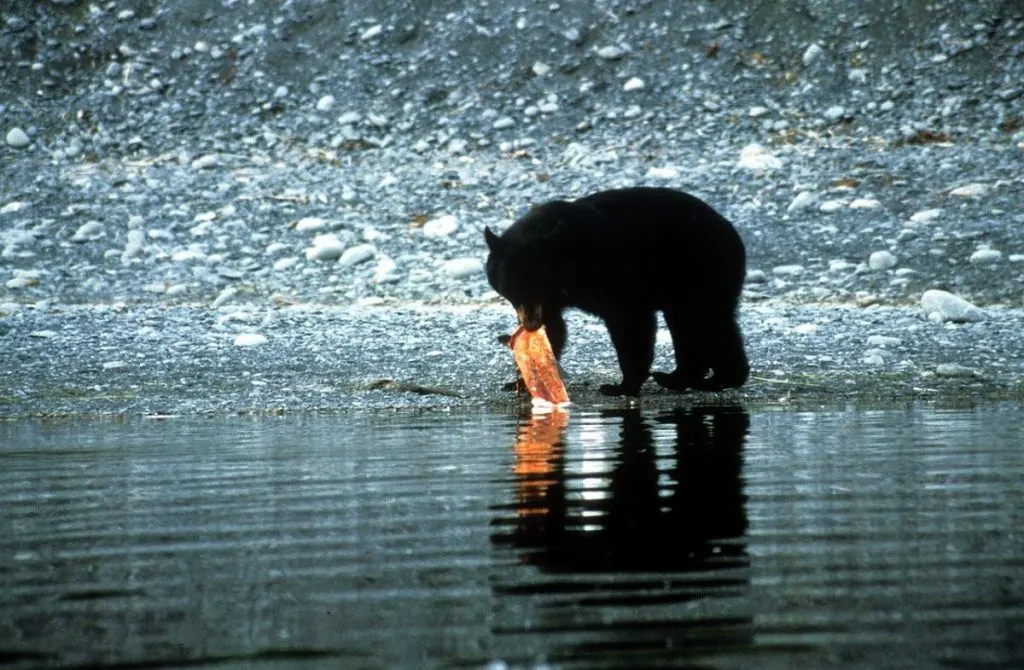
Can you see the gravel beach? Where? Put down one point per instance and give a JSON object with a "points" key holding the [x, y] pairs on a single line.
{"points": [[211, 207]]}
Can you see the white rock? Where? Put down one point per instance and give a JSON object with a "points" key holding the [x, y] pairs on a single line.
{"points": [[43, 334], [756, 157], [227, 294], [926, 215], [189, 256], [503, 123], [462, 267], [954, 370], [805, 328], [13, 206], [541, 69], [17, 138], [812, 53], [830, 206], [308, 223], [881, 260], [986, 256], [803, 200], [371, 32], [22, 281], [114, 366], [206, 162], [325, 248], [949, 307], [89, 231], [757, 112], [864, 203], [756, 277], [666, 172], [349, 118], [284, 263], [834, 113], [357, 254], [250, 340], [325, 104], [442, 226], [787, 270], [883, 341], [386, 272], [611, 52], [974, 190], [633, 84]]}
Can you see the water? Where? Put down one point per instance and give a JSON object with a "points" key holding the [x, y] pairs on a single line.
{"points": [[701, 538]]}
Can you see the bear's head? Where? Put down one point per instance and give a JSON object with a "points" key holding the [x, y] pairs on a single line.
{"points": [[523, 272]]}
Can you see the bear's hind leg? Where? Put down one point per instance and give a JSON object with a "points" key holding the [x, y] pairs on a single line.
{"points": [[632, 333], [730, 368]]}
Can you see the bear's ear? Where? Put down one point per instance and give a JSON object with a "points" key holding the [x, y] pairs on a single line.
{"points": [[493, 241]]}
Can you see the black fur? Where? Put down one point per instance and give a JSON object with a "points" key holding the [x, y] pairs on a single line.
{"points": [[623, 255]]}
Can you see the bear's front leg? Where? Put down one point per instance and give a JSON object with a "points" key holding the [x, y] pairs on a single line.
{"points": [[632, 332]]}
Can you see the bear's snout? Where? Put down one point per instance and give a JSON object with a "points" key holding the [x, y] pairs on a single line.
{"points": [[530, 316]]}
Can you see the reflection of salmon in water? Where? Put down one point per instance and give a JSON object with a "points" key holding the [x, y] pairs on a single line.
{"points": [[538, 366], [538, 446]]}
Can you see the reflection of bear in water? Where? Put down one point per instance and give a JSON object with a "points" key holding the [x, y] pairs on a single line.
{"points": [[624, 255], [642, 518]]}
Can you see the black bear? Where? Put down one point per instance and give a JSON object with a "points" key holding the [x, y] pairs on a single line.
{"points": [[623, 255]]}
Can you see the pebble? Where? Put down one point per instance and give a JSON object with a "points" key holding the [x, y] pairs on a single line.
{"points": [[386, 272], [811, 54], [285, 263], [460, 268], [371, 32], [325, 104], [787, 270], [974, 190], [349, 118], [864, 203], [357, 254], [881, 260], [954, 370], [830, 206], [756, 157], [89, 231], [310, 223], [43, 334], [206, 162], [442, 226], [756, 277], [541, 69], [503, 123], [662, 173], [883, 341], [224, 296], [325, 248], [926, 215], [23, 279], [13, 206], [17, 138], [803, 200], [944, 306], [114, 366], [986, 256], [633, 84], [250, 340], [834, 114], [611, 52]]}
